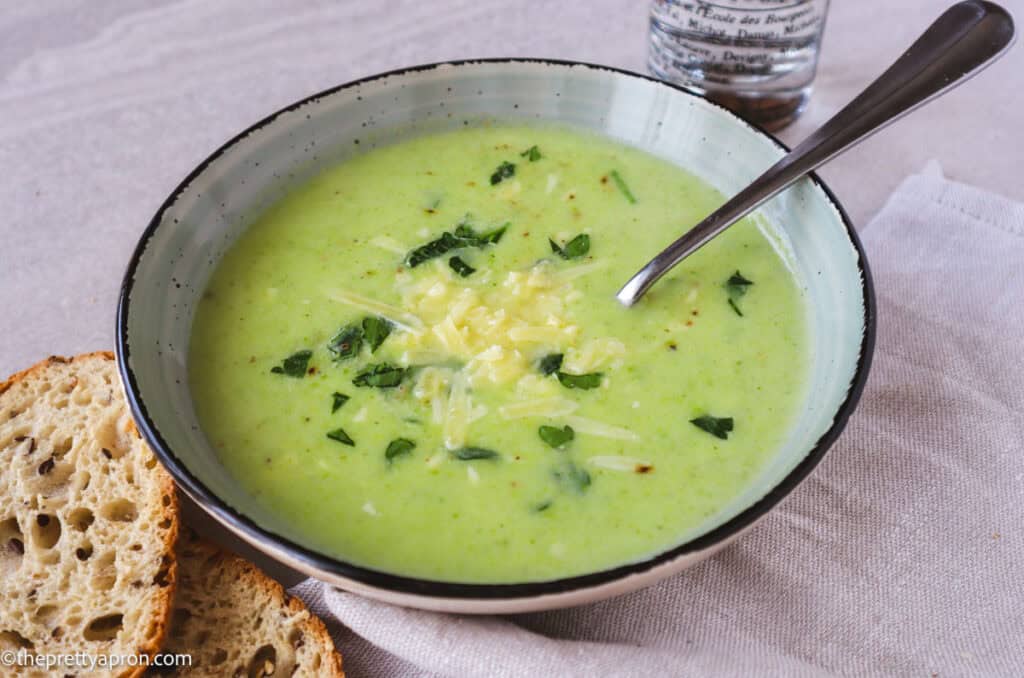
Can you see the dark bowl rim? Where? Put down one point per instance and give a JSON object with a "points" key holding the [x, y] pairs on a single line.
{"points": [[272, 543]]}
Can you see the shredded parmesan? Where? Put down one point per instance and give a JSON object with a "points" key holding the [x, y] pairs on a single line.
{"points": [[600, 429], [582, 269], [487, 327], [473, 476], [456, 418], [552, 183], [594, 355], [618, 462], [388, 243], [545, 407], [405, 320]]}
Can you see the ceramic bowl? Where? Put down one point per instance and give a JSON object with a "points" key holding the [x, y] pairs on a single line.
{"points": [[215, 203]]}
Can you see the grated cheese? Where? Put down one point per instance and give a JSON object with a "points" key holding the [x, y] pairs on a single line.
{"points": [[546, 407], [403, 319], [593, 355], [618, 462], [600, 429], [388, 243], [486, 328], [456, 417]]}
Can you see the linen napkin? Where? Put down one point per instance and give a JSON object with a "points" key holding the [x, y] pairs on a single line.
{"points": [[901, 555]]}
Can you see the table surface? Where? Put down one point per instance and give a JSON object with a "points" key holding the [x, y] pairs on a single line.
{"points": [[105, 106]]}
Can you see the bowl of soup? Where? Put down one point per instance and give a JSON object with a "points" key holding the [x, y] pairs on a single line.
{"points": [[375, 335]]}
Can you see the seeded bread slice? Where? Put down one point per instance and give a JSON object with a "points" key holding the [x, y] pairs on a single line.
{"points": [[236, 621], [88, 520]]}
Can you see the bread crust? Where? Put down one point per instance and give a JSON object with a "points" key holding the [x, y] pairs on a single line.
{"points": [[160, 597], [198, 556]]}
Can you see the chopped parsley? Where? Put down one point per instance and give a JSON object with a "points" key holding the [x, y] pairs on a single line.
{"points": [[574, 249], [573, 476], [435, 248], [551, 363], [543, 506], [580, 381], [504, 171], [463, 236], [382, 375], [375, 330], [397, 448], [346, 343], [532, 154], [461, 267], [621, 183], [339, 435], [556, 437], [465, 232], [716, 426], [471, 453], [736, 286], [294, 365], [337, 400]]}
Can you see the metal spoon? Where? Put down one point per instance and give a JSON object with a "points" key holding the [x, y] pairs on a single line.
{"points": [[966, 38]]}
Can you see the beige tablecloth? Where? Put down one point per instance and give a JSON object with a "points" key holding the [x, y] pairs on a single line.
{"points": [[901, 555], [105, 106]]}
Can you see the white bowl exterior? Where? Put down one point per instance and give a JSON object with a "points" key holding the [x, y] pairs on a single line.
{"points": [[218, 202]]}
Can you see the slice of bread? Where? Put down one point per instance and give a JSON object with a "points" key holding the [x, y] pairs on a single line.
{"points": [[233, 620], [88, 521]]}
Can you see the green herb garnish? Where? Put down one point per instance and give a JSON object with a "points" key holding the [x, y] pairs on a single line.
{"points": [[465, 232], [572, 475], [337, 400], [342, 437], [398, 447], [461, 267], [346, 343], [556, 437], [581, 381], [551, 363], [736, 286], [294, 365], [380, 376], [621, 183], [463, 236], [574, 249], [375, 330], [471, 453], [716, 426], [435, 248], [532, 154], [543, 506], [504, 171]]}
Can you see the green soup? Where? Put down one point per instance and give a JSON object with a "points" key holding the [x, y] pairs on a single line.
{"points": [[417, 359]]}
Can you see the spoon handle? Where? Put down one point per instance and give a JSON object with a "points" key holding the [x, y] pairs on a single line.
{"points": [[966, 38]]}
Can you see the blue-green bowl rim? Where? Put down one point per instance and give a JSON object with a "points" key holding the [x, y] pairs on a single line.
{"points": [[271, 542]]}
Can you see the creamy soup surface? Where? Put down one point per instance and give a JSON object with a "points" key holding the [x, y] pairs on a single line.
{"points": [[417, 361]]}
